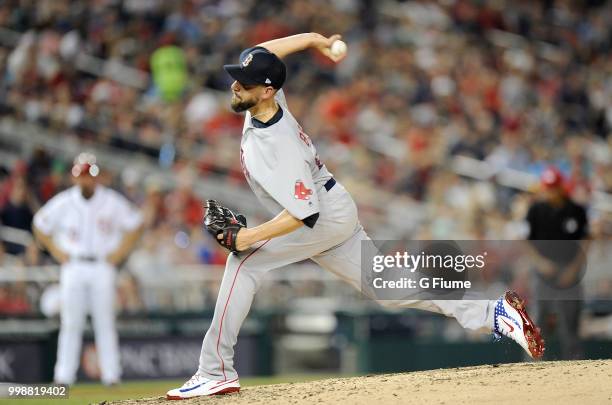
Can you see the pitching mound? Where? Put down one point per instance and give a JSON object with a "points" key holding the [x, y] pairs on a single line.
{"points": [[562, 382]]}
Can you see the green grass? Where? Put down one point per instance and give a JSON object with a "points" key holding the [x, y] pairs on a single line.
{"points": [[87, 393]]}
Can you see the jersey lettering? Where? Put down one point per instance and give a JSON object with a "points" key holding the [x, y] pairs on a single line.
{"points": [[301, 192], [73, 234], [305, 138], [243, 165], [318, 162], [105, 225]]}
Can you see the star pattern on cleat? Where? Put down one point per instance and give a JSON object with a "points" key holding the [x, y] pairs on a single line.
{"points": [[500, 310]]}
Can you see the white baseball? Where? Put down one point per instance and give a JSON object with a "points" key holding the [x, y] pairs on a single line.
{"points": [[338, 48]]}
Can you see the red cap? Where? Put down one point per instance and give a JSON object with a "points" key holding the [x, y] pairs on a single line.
{"points": [[85, 165], [552, 178]]}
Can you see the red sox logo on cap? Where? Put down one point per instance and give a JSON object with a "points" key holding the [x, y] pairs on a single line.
{"points": [[247, 60]]}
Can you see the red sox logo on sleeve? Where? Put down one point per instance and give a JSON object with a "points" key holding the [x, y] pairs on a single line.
{"points": [[301, 192]]}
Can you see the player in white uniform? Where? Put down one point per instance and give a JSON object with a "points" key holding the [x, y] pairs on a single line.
{"points": [[89, 229], [316, 219]]}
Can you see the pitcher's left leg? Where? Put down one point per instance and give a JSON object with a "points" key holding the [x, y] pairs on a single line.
{"points": [[481, 315]]}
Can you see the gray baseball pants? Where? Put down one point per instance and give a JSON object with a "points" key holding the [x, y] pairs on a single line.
{"points": [[335, 244]]}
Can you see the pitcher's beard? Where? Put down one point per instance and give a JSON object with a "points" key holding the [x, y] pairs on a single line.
{"points": [[240, 106]]}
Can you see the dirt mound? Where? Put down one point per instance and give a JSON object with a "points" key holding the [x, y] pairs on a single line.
{"points": [[561, 382]]}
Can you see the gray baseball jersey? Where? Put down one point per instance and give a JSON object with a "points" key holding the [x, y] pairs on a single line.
{"points": [[281, 164], [283, 170]]}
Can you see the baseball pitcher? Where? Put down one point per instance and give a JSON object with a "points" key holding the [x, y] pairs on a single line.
{"points": [[315, 218], [89, 229]]}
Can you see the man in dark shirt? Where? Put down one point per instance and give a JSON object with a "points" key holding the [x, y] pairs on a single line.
{"points": [[17, 213], [556, 226]]}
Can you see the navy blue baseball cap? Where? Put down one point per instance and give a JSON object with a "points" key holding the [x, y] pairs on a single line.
{"points": [[258, 66]]}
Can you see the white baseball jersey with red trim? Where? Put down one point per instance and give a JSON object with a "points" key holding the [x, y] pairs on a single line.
{"points": [[91, 227], [88, 230]]}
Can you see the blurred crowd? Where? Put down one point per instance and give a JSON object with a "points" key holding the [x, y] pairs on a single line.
{"points": [[173, 235], [518, 84]]}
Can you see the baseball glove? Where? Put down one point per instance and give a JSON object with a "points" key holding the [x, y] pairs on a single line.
{"points": [[221, 220]]}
